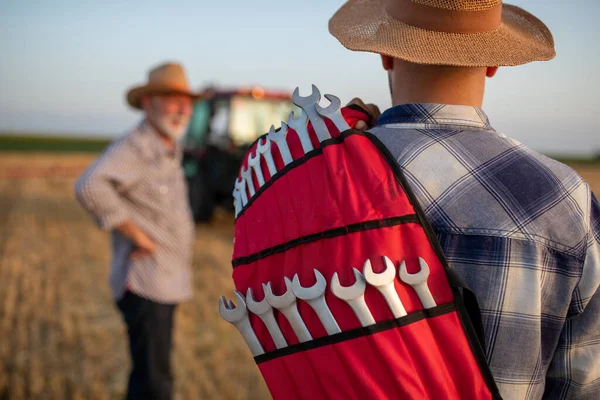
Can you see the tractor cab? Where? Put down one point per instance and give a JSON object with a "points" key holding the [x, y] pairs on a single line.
{"points": [[224, 125]]}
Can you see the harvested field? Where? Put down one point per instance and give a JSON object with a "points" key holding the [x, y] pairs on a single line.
{"points": [[61, 337]]}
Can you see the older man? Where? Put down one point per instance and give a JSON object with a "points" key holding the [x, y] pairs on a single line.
{"points": [[136, 189]]}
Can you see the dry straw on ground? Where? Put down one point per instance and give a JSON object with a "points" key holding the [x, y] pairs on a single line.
{"points": [[61, 336]]}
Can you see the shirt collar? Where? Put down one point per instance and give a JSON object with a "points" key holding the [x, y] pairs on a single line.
{"points": [[437, 114], [158, 146]]}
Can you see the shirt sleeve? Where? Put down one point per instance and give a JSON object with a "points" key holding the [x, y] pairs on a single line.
{"points": [[575, 368], [99, 190]]}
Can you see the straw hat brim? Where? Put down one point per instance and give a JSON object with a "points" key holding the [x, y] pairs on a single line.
{"points": [[364, 25], [134, 95]]}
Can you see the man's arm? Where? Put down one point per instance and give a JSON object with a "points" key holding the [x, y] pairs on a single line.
{"points": [[99, 191], [575, 368], [143, 243]]}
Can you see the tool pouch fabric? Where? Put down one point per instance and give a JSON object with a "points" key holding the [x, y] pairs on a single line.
{"points": [[330, 210]]}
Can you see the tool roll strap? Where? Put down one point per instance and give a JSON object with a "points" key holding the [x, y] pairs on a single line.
{"points": [[345, 284]]}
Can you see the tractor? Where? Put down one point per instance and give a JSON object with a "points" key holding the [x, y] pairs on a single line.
{"points": [[224, 124]]}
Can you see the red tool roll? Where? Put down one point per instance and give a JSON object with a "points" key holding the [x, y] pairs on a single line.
{"points": [[344, 208]]}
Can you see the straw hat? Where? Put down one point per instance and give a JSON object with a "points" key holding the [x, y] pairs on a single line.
{"points": [[466, 33], [167, 78]]}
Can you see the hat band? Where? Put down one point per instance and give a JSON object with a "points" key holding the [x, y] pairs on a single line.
{"points": [[443, 20]]}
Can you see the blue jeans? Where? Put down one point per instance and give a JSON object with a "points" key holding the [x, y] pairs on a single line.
{"points": [[149, 327]]}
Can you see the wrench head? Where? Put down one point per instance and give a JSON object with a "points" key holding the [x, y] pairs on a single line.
{"points": [[298, 123], [277, 135], [416, 278], [237, 199], [240, 187], [247, 175], [383, 278], [257, 307], [253, 161], [310, 293], [333, 108], [263, 147], [239, 183], [246, 172], [283, 301], [309, 101], [229, 312], [351, 292], [283, 130]]}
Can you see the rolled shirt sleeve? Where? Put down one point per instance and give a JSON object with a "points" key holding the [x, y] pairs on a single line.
{"points": [[100, 187]]}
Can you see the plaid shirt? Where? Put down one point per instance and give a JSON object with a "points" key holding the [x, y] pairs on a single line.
{"points": [[523, 231], [136, 178]]}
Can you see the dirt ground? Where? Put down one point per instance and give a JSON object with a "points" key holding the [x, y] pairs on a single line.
{"points": [[61, 336]]}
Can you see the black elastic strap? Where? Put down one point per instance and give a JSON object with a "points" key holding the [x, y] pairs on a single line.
{"points": [[358, 332], [470, 303], [330, 233]]}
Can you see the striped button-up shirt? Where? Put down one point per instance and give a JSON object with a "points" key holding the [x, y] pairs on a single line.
{"points": [[523, 231], [137, 178]]}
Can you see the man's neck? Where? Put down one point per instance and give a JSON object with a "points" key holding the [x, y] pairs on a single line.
{"points": [[166, 140], [413, 83]]}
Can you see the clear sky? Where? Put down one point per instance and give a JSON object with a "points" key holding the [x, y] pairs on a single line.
{"points": [[66, 64]]}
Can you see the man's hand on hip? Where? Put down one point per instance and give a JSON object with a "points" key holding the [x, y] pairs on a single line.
{"points": [[144, 246]]}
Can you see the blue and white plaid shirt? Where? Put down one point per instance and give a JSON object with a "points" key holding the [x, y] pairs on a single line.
{"points": [[523, 231]]}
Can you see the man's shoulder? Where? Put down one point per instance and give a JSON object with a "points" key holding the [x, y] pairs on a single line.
{"points": [[560, 169], [133, 141], [484, 182], [485, 152], [569, 183], [546, 200]]}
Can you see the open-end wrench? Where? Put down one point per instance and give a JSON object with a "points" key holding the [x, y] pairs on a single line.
{"points": [[240, 186], [237, 201], [286, 303], [264, 311], [333, 112], [280, 139], [384, 282], [238, 317], [254, 163], [315, 297], [354, 295], [418, 282], [247, 176], [299, 125], [308, 105], [263, 147]]}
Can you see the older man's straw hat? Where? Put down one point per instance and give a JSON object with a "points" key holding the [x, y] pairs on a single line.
{"points": [[466, 33], [169, 78]]}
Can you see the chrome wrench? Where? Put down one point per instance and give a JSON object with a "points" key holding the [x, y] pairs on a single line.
{"points": [[354, 295], [384, 282], [315, 297], [286, 303], [238, 317], [308, 105]]}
